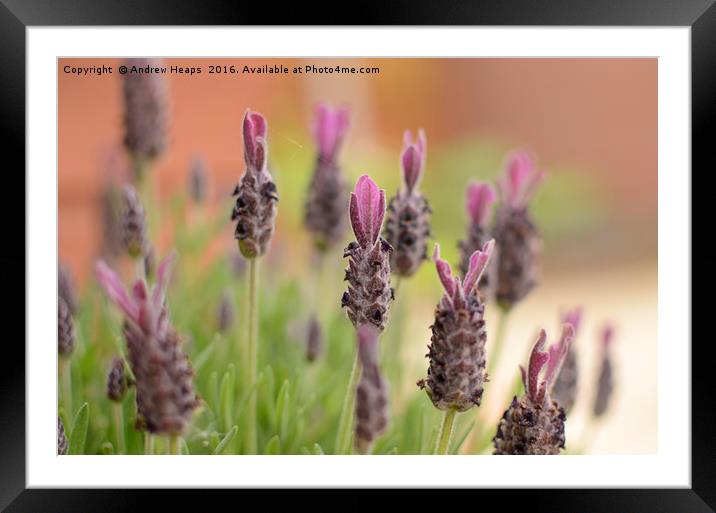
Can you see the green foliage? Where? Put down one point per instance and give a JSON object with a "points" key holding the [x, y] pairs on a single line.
{"points": [[78, 435]]}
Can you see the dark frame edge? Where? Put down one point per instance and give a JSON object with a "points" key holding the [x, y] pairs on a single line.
{"points": [[12, 379], [12, 376], [703, 159]]}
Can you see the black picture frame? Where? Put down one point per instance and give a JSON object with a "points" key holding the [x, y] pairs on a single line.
{"points": [[17, 15]]}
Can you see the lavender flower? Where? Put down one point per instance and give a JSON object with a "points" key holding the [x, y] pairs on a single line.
{"points": [[408, 224], [165, 391], [225, 313], [146, 110], [198, 180], [368, 297], [479, 199], [372, 392], [314, 339], [605, 383], [117, 380], [518, 240], [62, 443], [134, 226], [65, 328], [457, 347], [534, 423], [256, 195], [150, 262], [327, 193], [110, 204], [66, 288], [564, 390]]}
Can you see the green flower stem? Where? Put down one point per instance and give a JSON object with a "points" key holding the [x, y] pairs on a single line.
{"points": [[66, 377], [446, 428], [251, 444], [345, 424], [119, 427], [174, 444], [148, 443], [141, 269]]}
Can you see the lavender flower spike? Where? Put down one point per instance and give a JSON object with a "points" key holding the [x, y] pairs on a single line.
{"points": [[256, 195], [133, 224], [198, 180], [413, 158], [146, 112], [62, 442], [65, 328], [408, 225], [329, 130], [66, 287], [605, 383], [314, 339], [367, 209], [117, 380], [534, 423], [327, 197], [479, 199], [518, 240], [163, 375], [520, 181], [371, 393], [368, 297], [456, 374], [564, 390]]}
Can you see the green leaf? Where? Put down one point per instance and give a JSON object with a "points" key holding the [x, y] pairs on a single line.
{"points": [[457, 442], [79, 430], [317, 450], [206, 354], [273, 446], [184, 447], [212, 397], [281, 414], [226, 440], [107, 448], [226, 399]]}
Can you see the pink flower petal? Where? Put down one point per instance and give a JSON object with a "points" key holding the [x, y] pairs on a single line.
{"points": [[557, 353], [259, 123], [116, 291], [520, 181], [573, 317], [260, 154], [370, 206], [479, 198], [444, 272], [422, 144], [538, 359], [329, 128], [413, 158], [356, 223], [249, 139], [478, 263], [163, 274], [139, 291], [254, 132]]}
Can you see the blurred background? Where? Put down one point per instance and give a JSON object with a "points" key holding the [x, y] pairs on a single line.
{"points": [[591, 123]]}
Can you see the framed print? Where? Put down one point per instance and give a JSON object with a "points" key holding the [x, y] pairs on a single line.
{"points": [[381, 255]]}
